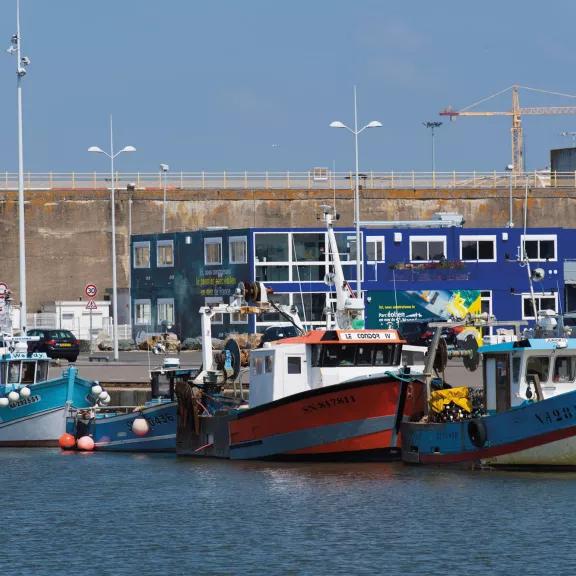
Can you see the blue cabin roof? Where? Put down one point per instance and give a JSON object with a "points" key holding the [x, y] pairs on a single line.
{"points": [[530, 343]]}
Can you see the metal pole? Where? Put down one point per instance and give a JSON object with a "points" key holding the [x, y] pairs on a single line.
{"points": [[357, 206], [433, 153], [164, 205], [510, 221], [20, 72], [114, 278]]}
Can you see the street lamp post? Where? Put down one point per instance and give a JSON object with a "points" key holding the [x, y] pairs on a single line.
{"points": [[356, 131], [21, 65], [112, 156], [510, 170], [433, 126], [164, 169]]}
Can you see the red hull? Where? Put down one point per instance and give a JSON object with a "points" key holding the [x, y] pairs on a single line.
{"points": [[357, 420]]}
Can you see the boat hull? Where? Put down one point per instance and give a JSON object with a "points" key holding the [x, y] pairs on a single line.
{"points": [[535, 435], [40, 419], [356, 420], [113, 432]]}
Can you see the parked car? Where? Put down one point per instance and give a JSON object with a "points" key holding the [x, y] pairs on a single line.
{"points": [[56, 343], [412, 331], [418, 333], [278, 332]]}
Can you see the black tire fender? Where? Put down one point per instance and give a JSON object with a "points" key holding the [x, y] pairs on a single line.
{"points": [[477, 432]]}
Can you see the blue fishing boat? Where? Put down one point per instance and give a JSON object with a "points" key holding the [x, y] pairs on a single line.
{"points": [[33, 407], [147, 428], [527, 416]]}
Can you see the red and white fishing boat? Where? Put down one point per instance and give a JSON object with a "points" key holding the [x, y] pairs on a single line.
{"points": [[338, 393]]}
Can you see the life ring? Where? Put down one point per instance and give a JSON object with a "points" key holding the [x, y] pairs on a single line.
{"points": [[477, 432]]}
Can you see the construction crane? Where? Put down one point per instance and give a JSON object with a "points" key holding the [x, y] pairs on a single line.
{"points": [[516, 113]]}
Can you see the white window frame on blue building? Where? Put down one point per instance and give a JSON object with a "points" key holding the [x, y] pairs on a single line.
{"points": [[211, 300], [478, 239], [295, 269], [212, 242], [378, 247], [427, 240], [237, 318], [161, 253], [541, 238], [295, 299], [143, 319], [232, 241], [137, 247], [164, 305], [539, 297]]}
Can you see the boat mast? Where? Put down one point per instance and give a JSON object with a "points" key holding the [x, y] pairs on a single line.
{"points": [[21, 65], [349, 309]]}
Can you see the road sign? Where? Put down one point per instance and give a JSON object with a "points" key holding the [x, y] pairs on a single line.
{"points": [[91, 290], [3, 289], [91, 305]]}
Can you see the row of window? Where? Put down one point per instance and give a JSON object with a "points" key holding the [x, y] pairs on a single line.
{"points": [[564, 370], [237, 250], [307, 252], [165, 312]]}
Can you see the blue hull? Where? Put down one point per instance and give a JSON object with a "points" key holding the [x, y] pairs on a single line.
{"points": [[534, 435], [112, 432], [40, 419]]}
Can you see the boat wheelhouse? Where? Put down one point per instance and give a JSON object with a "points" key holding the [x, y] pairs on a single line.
{"points": [[529, 409]]}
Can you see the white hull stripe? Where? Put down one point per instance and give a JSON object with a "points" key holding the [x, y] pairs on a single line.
{"points": [[137, 440], [30, 417]]}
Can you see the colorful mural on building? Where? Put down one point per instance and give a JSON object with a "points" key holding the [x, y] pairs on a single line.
{"points": [[387, 307]]}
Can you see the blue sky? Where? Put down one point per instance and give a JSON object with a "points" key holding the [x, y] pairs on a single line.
{"points": [[252, 85]]}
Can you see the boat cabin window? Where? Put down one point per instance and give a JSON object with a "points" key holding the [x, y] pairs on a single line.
{"points": [[339, 355], [42, 371], [364, 356], [413, 357], [564, 369], [259, 365], [28, 371], [294, 365], [268, 363], [161, 386], [13, 372], [516, 361], [539, 366]]}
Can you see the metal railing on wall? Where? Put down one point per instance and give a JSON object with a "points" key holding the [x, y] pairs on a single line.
{"points": [[316, 178]]}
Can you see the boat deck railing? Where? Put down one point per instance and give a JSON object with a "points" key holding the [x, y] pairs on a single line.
{"points": [[317, 178]]}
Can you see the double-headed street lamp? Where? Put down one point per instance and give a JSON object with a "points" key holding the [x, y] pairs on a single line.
{"points": [[113, 155], [356, 131]]}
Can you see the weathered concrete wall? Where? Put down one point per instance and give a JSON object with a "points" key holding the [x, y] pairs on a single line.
{"points": [[68, 232]]}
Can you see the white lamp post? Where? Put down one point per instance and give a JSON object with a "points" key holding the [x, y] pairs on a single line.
{"points": [[510, 170], [164, 169], [113, 155], [21, 65], [356, 131]]}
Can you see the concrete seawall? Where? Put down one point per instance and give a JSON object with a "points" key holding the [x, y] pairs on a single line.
{"points": [[68, 232]]}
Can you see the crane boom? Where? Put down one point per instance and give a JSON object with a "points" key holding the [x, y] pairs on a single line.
{"points": [[516, 113]]}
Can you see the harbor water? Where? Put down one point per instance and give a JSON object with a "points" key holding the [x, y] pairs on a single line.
{"points": [[89, 514]]}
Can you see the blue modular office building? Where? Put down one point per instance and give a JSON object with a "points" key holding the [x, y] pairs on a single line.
{"points": [[409, 273]]}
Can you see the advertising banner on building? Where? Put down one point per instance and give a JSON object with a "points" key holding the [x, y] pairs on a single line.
{"points": [[388, 308]]}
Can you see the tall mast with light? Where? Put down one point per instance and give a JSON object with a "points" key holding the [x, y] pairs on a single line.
{"points": [[22, 63]]}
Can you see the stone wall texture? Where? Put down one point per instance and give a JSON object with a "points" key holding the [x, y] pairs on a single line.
{"points": [[68, 232]]}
